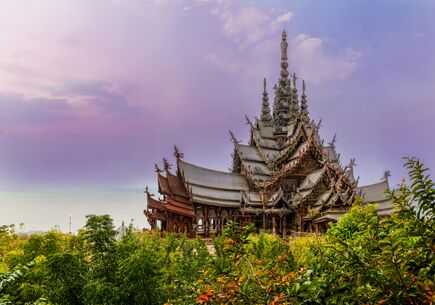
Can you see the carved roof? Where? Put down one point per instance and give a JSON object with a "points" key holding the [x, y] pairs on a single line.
{"points": [[176, 185], [159, 207], [163, 184], [375, 192], [200, 176], [311, 179]]}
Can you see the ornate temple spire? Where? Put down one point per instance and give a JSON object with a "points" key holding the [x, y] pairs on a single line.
{"points": [[265, 110], [304, 105], [275, 102], [284, 61], [294, 99], [281, 104]]}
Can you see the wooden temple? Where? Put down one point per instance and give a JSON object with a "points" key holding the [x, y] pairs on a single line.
{"points": [[284, 181]]}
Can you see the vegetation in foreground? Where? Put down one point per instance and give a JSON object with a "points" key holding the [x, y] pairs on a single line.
{"points": [[363, 259]]}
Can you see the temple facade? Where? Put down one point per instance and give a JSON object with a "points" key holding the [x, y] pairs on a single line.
{"points": [[285, 180]]}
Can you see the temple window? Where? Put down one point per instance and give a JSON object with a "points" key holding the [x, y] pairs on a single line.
{"points": [[200, 224]]}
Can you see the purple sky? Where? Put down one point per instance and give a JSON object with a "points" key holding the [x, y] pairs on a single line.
{"points": [[93, 93]]}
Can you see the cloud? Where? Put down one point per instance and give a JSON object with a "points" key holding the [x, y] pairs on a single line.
{"points": [[101, 96], [254, 44], [16, 108], [71, 100], [309, 56], [245, 23], [282, 19], [19, 70], [223, 61]]}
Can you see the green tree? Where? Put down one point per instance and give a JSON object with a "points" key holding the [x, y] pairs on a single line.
{"points": [[140, 278], [65, 280], [100, 234]]}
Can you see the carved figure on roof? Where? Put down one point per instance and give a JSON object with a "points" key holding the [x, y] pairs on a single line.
{"points": [[166, 165], [386, 175], [157, 169], [177, 153], [333, 141], [148, 192], [233, 138]]}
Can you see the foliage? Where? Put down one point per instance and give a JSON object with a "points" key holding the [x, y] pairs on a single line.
{"points": [[66, 276], [362, 259]]}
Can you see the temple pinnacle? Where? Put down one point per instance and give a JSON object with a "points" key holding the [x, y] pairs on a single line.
{"points": [[284, 58], [282, 93], [294, 78], [294, 100], [304, 105], [265, 110]]}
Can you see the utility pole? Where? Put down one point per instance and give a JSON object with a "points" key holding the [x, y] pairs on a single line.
{"points": [[70, 223]]}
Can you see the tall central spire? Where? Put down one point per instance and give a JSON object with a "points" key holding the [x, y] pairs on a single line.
{"points": [[284, 61], [282, 91]]}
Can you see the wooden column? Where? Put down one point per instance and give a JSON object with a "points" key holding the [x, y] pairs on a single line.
{"points": [[219, 221], [274, 224], [205, 221], [284, 227]]}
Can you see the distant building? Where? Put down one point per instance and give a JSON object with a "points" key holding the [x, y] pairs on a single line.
{"points": [[121, 231], [285, 180]]}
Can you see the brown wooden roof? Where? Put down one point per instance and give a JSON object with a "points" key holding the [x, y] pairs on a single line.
{"points": [[163, 185], [176, 185]]}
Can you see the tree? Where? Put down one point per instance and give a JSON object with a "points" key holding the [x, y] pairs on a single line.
{"points": [[140, 278], [66, 278], [99, 233]]}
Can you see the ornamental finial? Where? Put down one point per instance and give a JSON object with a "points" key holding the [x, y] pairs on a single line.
{"points": [[386, 175], [147, 191], [333, 141], [248, 121], [177, 153], [158, 170], [319, 124], [166, 165], [233, 138]]}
